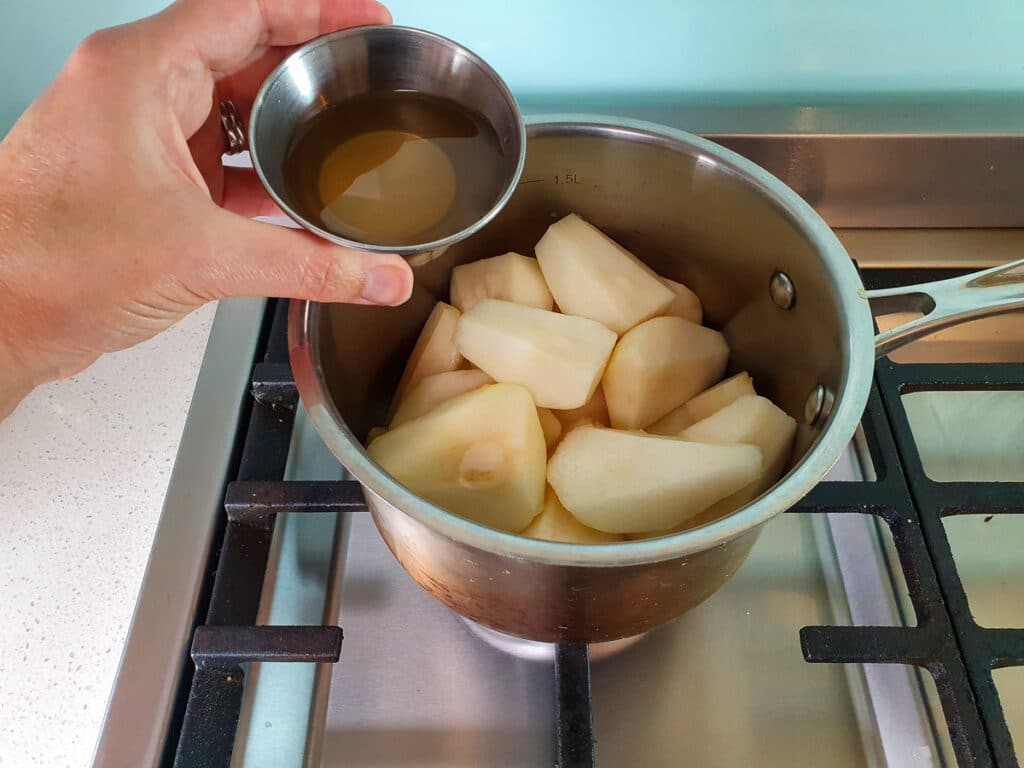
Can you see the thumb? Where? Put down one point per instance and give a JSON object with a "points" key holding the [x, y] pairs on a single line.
{"points": [[251, 258]]}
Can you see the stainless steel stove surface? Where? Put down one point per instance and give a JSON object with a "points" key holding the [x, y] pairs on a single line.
{"points": [[725, 685]]}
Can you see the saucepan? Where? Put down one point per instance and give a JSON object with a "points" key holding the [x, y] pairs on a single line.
{"points": [[772, 277]]}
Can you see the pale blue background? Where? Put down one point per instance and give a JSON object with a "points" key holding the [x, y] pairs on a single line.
{"points": [[775, 50]]}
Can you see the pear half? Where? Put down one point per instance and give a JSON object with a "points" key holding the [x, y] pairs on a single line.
{"points": [[559, 358], [590, 275], [623, 482], [510, 277], [480, 455], [659, 365]]}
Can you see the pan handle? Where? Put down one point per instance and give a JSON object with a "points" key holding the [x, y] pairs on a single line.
{"points": [[947, 302]]}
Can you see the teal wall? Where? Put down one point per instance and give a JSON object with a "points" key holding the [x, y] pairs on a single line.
{"points": [[737, 49], [36, 37]]}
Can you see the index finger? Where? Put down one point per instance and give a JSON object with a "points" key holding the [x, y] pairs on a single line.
{"points": [[227, 34]]}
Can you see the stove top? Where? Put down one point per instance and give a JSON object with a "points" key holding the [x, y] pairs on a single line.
{"points": [[899, 578], [725, 685]]}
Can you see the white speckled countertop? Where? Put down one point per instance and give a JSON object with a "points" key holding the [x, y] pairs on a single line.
{"points": [[84, 466]]}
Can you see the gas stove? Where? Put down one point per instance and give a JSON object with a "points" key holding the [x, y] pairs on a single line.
{"points": [[877, 623]]}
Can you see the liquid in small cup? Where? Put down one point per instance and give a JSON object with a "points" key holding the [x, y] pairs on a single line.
{"points": [[394, 168]]}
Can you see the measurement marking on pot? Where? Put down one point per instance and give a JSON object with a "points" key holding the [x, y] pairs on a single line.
{"points": [[567, 178]]}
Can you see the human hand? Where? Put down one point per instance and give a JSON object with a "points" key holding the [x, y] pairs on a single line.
{"points": [[117, 217]]}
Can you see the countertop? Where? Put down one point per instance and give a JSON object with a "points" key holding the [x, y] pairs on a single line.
{"points": [[84, 467]]}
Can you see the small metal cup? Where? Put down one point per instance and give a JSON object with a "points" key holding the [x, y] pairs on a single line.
{"points": [[335, 68]]}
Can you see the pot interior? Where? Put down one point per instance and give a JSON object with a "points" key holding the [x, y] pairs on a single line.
{"points": [[679, 204]]}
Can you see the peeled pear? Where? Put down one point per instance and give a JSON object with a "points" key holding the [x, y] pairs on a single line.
{"points": [[590, 275], [435, 350], [554, 523], [725, 392], [756, 421], [659, 365], [434, 390], [703, 405], [510, 277], [558, 358], [686, 303], [672, 423], [623, 482], [594, 411], [479, 455], [550, 425]]}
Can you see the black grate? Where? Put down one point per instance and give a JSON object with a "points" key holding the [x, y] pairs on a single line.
{"points": [[256, 493], [574, 731], [959, 654]]}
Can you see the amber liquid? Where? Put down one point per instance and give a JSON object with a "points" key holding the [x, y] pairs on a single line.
{"points": [[394, 168]]}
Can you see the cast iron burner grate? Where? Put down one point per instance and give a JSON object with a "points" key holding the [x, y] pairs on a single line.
{"points": [[959, 654]]}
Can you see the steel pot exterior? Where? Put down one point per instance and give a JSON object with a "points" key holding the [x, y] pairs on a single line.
{"points": [[551, 602], [697, 213]]}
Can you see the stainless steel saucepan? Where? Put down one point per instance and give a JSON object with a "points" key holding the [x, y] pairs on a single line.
{"points": [[771, 275]]}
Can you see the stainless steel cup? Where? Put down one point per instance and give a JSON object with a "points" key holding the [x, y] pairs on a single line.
{"points": [[335, 68]]}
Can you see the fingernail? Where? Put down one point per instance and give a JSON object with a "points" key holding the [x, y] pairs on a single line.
{"points": [[386, 285]]}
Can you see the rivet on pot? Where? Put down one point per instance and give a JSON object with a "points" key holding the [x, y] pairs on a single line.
{"points": [[782, 291], [819, 405]]}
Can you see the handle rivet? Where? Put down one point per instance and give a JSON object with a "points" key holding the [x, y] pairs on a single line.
{"points": [[819, 405], [782, 291]]}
